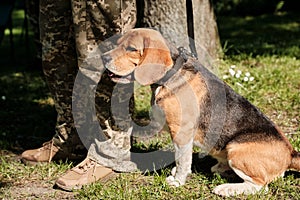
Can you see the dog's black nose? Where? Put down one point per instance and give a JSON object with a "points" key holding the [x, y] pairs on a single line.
{"points": [[106, 58]]}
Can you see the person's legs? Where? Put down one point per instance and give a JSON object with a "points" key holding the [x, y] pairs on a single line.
{"points": [[94, 22], [60, 68]]}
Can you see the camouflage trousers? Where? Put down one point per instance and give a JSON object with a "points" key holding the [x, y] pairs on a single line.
{"points": [[70, 33]]}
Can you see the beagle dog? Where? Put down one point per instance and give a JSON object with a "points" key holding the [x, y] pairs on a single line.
{"points": [[202, 110]]}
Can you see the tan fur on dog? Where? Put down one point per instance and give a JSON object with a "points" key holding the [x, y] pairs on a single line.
{"points": [[247, 143], [137, 50]]}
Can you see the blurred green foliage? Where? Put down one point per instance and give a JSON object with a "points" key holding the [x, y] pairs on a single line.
{"points": [[250, 7]]}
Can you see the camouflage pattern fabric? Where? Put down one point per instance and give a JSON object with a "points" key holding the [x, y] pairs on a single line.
{"points": [[71, 32], [60, 67]]}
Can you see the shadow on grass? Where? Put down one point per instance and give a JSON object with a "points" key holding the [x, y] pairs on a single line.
{"points": [[261, 35], [292, 173], [27, 115]]}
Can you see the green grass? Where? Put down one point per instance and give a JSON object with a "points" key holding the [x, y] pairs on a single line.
{"points": [[268, 47]]}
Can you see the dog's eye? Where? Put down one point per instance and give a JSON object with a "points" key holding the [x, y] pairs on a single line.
{"points": [[130, 48]]}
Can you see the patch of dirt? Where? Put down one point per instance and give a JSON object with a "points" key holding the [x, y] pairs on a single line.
{"points": [[31, 187], [35, 190]]}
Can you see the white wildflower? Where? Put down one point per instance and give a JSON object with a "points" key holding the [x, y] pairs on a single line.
{"points": [[247, 74], [246, 78], [232, 66], [251, 78], [232, 72], [238, 75], [3, 98], [239, 72]]}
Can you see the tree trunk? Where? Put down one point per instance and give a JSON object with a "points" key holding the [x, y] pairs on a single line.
{"points": [[170, 17]]}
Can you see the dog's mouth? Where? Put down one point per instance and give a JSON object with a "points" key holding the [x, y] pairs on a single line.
{"points": [[121, 79]]}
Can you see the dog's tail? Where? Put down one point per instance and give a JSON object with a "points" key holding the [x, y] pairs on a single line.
{"points": [[295, 164]]}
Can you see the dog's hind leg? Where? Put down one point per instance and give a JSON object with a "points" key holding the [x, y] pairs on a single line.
{"points": [[231, 189], [257, 163]]}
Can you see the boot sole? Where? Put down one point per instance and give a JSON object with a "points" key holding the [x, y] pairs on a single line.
{"points": [[78, 187], [32, 163]]}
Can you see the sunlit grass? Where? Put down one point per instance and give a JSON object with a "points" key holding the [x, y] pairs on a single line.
{"points": [[266, 46]]}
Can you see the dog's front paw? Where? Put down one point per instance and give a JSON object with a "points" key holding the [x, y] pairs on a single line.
{"points": [[172, 181]]}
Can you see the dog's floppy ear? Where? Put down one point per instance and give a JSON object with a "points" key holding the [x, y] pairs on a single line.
{"points": [[156, 61]]}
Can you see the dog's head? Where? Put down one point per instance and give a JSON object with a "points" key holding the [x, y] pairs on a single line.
{"points": [[142, 54]]}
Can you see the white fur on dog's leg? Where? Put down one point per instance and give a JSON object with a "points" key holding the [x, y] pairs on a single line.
{"points": [[183, 156], [172, 181], [233, 189], [173, 171]]}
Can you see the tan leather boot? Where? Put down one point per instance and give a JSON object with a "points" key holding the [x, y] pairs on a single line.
{"points": [[86, 172], [47, 153], [43, 154]]}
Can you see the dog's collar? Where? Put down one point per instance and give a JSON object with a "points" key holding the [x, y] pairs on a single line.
{"points": [[178, 64], [183, 56]]}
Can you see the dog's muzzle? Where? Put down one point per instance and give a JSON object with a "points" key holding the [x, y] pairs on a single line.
{"points": [[120, 79]]}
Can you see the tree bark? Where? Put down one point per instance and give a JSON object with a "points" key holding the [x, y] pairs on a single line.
{"points": [[170, 17]]}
